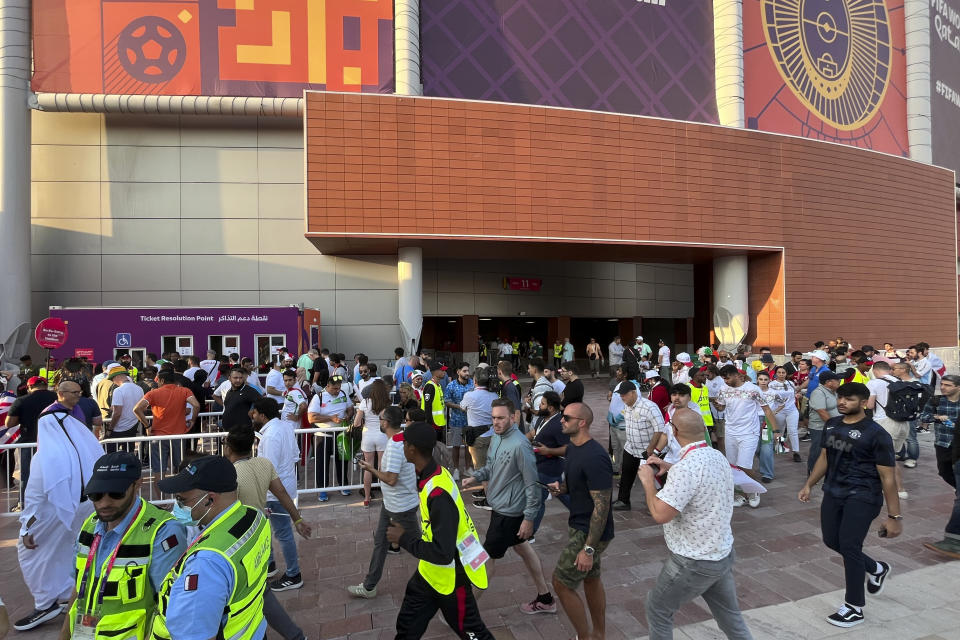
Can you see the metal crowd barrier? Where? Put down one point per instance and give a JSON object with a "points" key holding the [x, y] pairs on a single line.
{"points": [[161, 455]]}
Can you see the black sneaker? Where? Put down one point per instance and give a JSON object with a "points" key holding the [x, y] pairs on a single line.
{"points": [[38, 617], [845, 617], [272, 569], [482, 504], [805, 438], [796, 457], [875, 581], [286, 583]]}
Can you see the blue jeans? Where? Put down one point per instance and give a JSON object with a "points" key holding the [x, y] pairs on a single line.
{"points": [[765, 450], [565, 499], [912, 446], [165, 452], [282, 525], [816, 444]]}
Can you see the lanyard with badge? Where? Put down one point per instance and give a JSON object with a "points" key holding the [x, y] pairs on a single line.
{"points": [[87, 618], [699, 445]]}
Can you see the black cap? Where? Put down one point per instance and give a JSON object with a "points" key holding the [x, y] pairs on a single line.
{"points": [[436, 365], [209, 473], [766, 358], [420, 435], [25, 358], [114, 473], [827, 376], [626, 387]]}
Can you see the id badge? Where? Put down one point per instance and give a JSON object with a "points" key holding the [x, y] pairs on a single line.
{"points": [[472, 552], [85, 627]]}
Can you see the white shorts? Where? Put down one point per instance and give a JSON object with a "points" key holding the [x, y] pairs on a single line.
{"points": [[372, 442], [741, 449]]}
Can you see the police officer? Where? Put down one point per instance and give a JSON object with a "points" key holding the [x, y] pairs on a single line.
{"points": [[124, 551], [432, 403], [444, 574], [216, 588]]}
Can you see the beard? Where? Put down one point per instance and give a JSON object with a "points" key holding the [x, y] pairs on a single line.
{"points": [[116, 513]]}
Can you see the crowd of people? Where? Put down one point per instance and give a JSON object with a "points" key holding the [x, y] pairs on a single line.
{"points": [[701, 432]]}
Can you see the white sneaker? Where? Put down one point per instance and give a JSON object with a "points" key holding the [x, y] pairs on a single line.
{"points": [[903, 495], [739, 500], [910, 464], [754, 500]]}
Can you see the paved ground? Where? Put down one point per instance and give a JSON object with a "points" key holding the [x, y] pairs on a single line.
{"points": [[785, 576]]}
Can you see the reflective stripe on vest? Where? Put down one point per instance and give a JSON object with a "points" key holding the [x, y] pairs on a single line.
{"points": [[443, 577], [437, 408], [557, 350], [129, 599], [701, 397], [242, 537]]}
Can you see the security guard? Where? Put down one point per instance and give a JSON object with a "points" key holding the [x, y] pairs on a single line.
{"points": [[216, 588], [481, 349], [127, 363], [50, 372], [124, 550], [444, 574], [431, 401], [557, 354]]}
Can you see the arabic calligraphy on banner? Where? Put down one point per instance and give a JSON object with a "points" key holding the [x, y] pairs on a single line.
{"points": [[205, 318], [269, 48]]}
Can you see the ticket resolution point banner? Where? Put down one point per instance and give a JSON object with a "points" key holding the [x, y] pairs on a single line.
{"points": [[830, 70], [260, 48]]}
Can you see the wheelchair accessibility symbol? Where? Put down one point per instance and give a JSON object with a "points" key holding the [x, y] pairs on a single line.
{"points": [[123, 339]]}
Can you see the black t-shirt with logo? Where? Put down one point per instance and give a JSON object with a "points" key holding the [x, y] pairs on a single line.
{"points": [[853, 453]]}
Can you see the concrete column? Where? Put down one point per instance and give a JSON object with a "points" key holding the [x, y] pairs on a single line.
{"points": [[919, 132], [410, 295], [15, 173], [469, 330], [731, 311], [728, 45], [406, 33]]}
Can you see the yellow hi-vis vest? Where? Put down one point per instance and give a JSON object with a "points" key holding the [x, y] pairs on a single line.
{"points": [[437, 409], [443, 578], [701, 397], [242, 537], [557, 350], [128, 597]]}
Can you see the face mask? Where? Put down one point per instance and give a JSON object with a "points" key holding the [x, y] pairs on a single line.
{"points": [[184, 516]]}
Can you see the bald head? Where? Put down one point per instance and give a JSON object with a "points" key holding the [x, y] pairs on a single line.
{"points": [[689, 424], [68, 393], [581, 411]]}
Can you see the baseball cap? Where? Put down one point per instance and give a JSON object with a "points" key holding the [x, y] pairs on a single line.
{"points": [[639, 338], [125, 356], [817, 353], [417, 374], [626, 387], [36, 381], [651, 374], [114, 473], [337, 379], [683, 357], [827, 376], [420, 435], [209, 473], [766, 358]]}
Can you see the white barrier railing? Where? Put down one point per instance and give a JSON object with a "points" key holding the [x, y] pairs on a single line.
{"points": [[318, 470]]}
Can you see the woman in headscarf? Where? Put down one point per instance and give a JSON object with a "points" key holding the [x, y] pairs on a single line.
{"points": [[55, 505]]}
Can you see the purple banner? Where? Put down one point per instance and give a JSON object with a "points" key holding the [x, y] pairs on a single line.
{"points": [[627, 56]]}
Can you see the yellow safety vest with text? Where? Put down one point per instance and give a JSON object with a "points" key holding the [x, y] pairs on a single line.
{"points": [[557, 350], [443, 578], [128, 596], [701, 397], [437, 409]]}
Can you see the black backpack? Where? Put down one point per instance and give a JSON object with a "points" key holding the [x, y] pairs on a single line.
{"points": [[905, 400]]}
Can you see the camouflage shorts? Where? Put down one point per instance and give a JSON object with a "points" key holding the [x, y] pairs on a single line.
{"points": [[566, 571]]}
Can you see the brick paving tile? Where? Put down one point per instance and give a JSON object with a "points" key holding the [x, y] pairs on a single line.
{"points": [[780, 559]]}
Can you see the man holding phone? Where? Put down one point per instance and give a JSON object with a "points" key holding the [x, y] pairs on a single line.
{"points": [[858, 459]]}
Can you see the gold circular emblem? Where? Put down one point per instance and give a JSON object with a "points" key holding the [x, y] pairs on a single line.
{"points": [[835, 55]]}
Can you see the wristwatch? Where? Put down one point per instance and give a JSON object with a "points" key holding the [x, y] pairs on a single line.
{"points": [[892, 517], [587, 549]]}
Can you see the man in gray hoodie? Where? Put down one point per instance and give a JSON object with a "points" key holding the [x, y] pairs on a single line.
{"points": [[513, 495]]}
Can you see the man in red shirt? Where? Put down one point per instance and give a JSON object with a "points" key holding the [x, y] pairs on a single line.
{"points": [[168, 403], [659, 394]]}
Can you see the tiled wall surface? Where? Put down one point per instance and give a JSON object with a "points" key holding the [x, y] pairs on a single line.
{"points": [[866, 236]]}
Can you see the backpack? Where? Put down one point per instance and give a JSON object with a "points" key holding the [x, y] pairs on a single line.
{"points": [[905, 400]]}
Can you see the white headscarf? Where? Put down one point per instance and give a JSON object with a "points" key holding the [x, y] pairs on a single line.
{"points": [[65, 458]]}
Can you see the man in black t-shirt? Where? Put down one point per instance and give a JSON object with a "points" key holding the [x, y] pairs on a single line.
{"points": [[550, 446], [858, 461], [238, 400], [573, 392], [589, 483], [25, 411]]}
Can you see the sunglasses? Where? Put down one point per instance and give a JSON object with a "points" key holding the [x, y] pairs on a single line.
{"points": [[114, 495], [566, 418]]}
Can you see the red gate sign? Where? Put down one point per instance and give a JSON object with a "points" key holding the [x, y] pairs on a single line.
{"points": [[83, 353], [51, 333], [522, 284]]}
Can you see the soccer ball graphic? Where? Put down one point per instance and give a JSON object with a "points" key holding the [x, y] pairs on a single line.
{"points": [[151, 49]]}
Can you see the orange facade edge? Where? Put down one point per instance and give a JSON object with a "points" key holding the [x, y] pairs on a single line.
{"points": [[837, 235]]}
